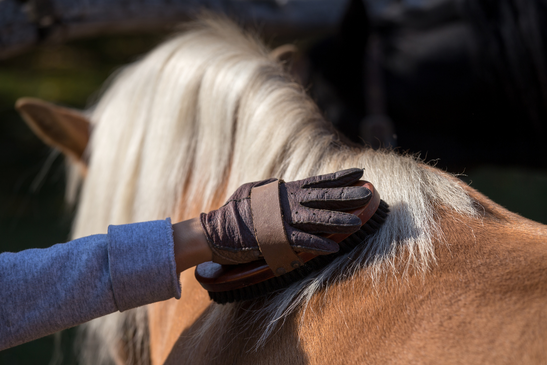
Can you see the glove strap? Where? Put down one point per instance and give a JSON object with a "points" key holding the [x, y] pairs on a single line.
{"points": [[269, 230]]}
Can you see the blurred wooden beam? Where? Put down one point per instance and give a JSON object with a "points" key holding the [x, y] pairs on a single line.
{"points": [[26, 23]]}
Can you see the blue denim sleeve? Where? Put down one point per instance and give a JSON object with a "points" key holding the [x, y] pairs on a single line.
{"points": [[43, 291]]}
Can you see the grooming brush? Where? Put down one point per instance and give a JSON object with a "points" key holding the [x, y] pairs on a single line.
{"points": [[230, 283]]}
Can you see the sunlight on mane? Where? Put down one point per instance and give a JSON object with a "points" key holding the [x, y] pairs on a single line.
{"points": [[209, 110]]}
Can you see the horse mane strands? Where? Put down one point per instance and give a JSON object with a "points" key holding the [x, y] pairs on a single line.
{"points": [[209, 110]]}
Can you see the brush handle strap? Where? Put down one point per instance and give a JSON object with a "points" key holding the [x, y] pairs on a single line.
{"points": [[270, 231]]}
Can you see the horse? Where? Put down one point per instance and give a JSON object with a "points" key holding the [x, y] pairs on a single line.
{"points": [[450, 277]]}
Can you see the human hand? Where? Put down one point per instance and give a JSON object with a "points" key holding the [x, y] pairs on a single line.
{"points": [[309, 207]]}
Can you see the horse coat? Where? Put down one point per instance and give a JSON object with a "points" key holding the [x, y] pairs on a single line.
{"points": [[450, 278]]}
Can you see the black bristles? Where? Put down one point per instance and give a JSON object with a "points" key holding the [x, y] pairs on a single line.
{"points": [[280, 282]]}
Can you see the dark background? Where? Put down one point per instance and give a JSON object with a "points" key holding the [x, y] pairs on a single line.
{"points": [[32, 179]]}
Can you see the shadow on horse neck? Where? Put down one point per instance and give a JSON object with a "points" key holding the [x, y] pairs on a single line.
{"points": [[176, 132]]}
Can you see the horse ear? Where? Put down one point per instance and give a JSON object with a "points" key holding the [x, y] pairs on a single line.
{"points": [[66, 129], [293, 61], [284, 53]]}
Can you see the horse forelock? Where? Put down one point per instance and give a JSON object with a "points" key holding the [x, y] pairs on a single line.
{"points": [[208, 110]]}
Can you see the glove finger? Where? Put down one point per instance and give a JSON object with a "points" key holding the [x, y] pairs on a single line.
{"points": [[325, 221], [346, 198], [305, 242], [335, 179]]}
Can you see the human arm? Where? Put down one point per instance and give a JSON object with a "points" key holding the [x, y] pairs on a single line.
{"points": [[46, 290], [190, 244]]}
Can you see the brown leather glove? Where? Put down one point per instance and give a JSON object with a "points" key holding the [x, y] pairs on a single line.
{"points": [[309, 207]]}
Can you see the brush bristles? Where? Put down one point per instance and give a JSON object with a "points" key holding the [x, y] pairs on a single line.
{"points": [[280, 282]]}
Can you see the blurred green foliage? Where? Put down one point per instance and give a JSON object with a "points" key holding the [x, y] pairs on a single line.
{"points": [[523, 191]]}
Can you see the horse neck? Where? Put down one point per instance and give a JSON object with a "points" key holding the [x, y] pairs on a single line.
{"points": [[487, 265], [480, 259]]}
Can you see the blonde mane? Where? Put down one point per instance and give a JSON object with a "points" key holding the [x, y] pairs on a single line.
{"points": [[208, 110]]}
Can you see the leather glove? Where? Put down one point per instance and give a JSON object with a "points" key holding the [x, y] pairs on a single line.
{"points": [[309, 207]]}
